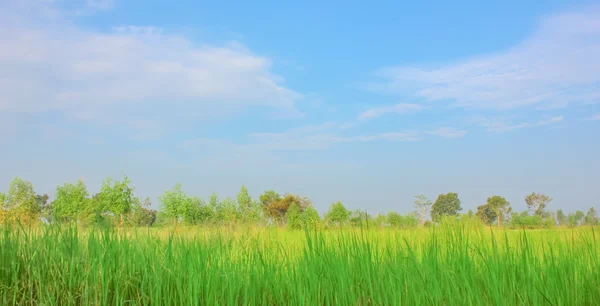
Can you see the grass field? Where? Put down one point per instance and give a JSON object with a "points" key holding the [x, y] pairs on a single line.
{"points": [[439, 266]]}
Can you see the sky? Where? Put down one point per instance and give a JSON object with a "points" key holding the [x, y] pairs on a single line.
{"points": [[370, 104]]}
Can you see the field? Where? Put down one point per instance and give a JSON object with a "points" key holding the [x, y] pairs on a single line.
{"points": [[192, 266]]}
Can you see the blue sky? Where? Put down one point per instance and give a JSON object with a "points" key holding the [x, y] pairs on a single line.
{"points": [[370, 104]]}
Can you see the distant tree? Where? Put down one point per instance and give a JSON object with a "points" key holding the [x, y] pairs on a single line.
{"points": [[470, 214], [294, 216], [486, 214], [591, 218], [338, 214], [117, 196], [537, 202], [394, 219], [244, 200], [380, 220], [576, 218], [310, 217], [561, 218], [410, 220], [445, 205], [174, 202], [359, 217], [500, 206], [142, 215], [229, 211], [215, 207], [21, 200], [70, 201], [276, 208], [423, 205]]}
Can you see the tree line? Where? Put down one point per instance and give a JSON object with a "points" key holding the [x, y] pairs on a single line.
{"points": [[117, 205]]}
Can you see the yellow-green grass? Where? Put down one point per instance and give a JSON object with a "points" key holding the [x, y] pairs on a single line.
{"points": [[193, 266]]}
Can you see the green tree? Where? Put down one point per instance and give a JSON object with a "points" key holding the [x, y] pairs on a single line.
{"points": [[486, 214], [423, 205], [117, 197], [591, 218], [294, 217], [70, 201], [174, 202], [576, 218], [243, 199], [537, 202], [311, 217], [445, 205], [338, 214], [21, 200], [229, 211], [394, 219], [500, 206], [561, 218]]}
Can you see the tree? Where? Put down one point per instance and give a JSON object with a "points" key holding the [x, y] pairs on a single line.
{"points": [[575, 219], [338, 214], [243, 199], [537, 202], [561, 218], [117, 196], [142, 214], [70, 201], [174, 202], [21, 200], [591, 218], [423, 205], [294, 217], [394, 219], [276, 207], [500, 206], [445, 205], [311, 217], [486, 214], [359, 217], [229, 212]]}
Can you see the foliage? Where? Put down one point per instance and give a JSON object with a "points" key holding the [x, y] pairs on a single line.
{"points": [[486, 214], [591, 218], [71, 200], [21, 200], [423, 205], [561, 218], [117, 196], [310, 217], [445, 205], [537, 202], [576, 218], [337, 214], [174, 202], [294, 217]]}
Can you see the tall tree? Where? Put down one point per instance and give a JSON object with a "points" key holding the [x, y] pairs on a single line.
{"points": [[423, 205], [311, 217], [338, 214], [70, 201], [500, 206], [537, 202], [174, 202], [591, 218], [22, 201], [487, 214], [243, 199], [117, 196], [561, 218], [445, 205], [294, 216]]}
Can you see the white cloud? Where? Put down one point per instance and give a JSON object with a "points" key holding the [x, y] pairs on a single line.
{"points": [[380, 111], [448, 132], [555, 67], [49, 64], [504, 125]]}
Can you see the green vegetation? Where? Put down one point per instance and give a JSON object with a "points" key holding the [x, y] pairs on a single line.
{"points": [[112, 248], [449, 265]]}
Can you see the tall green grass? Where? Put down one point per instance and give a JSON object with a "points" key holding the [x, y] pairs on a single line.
{"points": [[440, 266]]}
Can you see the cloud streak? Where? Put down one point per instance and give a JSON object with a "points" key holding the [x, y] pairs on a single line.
{"points": [[556, 67], [502, 126], [380, 111]]}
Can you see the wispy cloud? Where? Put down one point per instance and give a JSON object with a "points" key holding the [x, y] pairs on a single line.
{"points": [[448, 132], [54, 66], [555, 67], [502, 126], [380, 111]]}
